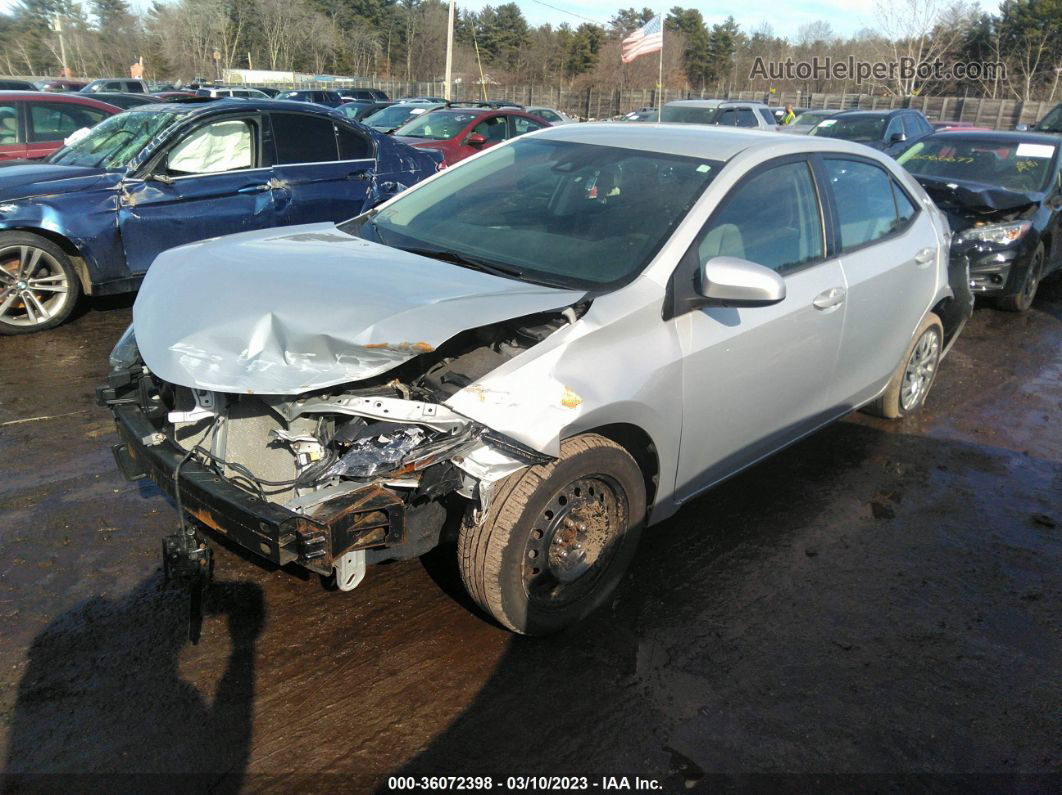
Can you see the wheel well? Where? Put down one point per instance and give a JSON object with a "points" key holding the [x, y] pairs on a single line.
{"points": [[68, 248], [638, 443]]}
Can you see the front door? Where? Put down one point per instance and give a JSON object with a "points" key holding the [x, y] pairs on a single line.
{"points": [[324, 168], [756, 378], [210, 183]]}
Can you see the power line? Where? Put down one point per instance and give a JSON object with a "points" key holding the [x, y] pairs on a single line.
{"points": [[569, 13]]}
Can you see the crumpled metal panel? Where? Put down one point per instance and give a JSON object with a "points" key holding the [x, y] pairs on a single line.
{"points": [[286, 311]]}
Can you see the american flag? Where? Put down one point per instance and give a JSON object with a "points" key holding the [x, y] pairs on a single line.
{"points": [[647, 39]]}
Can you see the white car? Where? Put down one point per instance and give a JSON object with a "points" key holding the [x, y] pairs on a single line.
{"points": [[554, 117], [542, 350]]}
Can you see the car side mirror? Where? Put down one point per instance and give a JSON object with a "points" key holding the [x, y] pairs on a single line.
{"points": [[737, 281], [476, 139], [1023, 127], [897, 138]]}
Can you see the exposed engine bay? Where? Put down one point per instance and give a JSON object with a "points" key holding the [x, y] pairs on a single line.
{"points": [[391, 432]]}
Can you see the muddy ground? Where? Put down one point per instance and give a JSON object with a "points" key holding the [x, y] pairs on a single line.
{"points": [[878, 599]]}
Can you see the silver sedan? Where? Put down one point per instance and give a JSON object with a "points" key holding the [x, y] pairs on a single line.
{"points": [[539, 352]]}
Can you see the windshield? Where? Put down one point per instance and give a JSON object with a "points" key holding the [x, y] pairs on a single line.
{"points": [[551, 212], [862, 129], [115, 141], [688, 115], [394, 116], [436, 126], [1022, 167], [1052, 122]]}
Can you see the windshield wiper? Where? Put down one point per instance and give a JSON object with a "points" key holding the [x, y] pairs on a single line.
{"points": [[445, 255]]}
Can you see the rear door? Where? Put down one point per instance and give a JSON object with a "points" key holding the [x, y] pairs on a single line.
{"points": [[12, 131], [323, 167], [889, 251], [218, 183], [523, 124]]}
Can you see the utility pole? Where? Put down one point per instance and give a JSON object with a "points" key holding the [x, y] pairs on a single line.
{"points": [[449, 53], [57, 26]]}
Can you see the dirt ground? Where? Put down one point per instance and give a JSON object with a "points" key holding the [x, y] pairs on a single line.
{"points": [[880, 599]]}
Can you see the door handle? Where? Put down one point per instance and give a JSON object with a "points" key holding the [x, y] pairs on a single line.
{"points": [[361, 174], [925, 256], [830, 298], [253, 189]]}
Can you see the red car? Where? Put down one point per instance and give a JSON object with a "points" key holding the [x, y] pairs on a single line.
{"points": [[461, 132], [33, 124]]}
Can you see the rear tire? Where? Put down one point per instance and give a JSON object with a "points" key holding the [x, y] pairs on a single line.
{"points": [[914, 377], [557, 537], [38, 286], [1023, 299]]}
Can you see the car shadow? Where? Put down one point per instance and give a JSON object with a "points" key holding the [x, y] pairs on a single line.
{"points": [[805, 616], [102, 705]]}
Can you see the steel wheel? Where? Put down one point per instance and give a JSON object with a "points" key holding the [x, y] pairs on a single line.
{"points": [[573, 540], [35, 288], [920, 371]]}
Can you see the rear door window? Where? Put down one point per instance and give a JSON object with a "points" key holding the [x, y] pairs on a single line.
{"points": [[865, 200], [303, 138], [523, 125], [352, 144], [768, 116]]}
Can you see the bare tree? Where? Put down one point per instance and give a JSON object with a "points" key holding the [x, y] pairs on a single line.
{"points": [[918, 32]]}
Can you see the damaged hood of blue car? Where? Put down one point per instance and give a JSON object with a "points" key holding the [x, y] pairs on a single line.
{"points": [[44, 179], [291, 310]]}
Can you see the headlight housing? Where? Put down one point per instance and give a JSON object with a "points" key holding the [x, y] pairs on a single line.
{"points": [[1000, 234], [125, 353]]}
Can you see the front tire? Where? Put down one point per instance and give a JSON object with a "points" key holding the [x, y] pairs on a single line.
{"points": [[38, 285], [1022, 300], [910, 383], [557, 537]]}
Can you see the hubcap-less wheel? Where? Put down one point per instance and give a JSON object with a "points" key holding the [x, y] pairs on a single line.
{"points": [[33, 286], [573, 540], [921, 367]]}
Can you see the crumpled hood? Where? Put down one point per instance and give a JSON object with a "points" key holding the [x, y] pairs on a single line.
{"points": [[291, 310], [976, 197], [37, 179]]}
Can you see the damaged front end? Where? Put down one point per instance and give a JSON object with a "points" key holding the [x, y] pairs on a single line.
{"points": [[332, 479]]}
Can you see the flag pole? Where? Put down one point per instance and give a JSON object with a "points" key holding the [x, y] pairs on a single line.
{"points": [[660, 74]]}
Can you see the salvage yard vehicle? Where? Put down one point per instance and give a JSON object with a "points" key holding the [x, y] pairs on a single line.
{"points": [[889, 131], [93, 216], [538, 352], [1051, 123], [1002, 192], [393, 116], [805, 121], [462, 132], [34, 124], [723, 112]]}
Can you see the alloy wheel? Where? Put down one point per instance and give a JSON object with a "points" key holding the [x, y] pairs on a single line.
{"points": [[34, 288], [920, 370]]}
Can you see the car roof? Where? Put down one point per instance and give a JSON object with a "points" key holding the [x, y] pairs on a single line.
{"points": [[873, 113], [694, 140], [711, 103], [222, 104], [53, 96]]}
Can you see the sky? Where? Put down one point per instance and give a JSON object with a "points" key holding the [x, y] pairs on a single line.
{"points": [[784, 16]]}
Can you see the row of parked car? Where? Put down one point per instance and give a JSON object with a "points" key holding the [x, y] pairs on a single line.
{"points": [[342, 354]]}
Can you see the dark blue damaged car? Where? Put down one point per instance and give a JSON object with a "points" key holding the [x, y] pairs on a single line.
{"points": [[93, 217]]}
